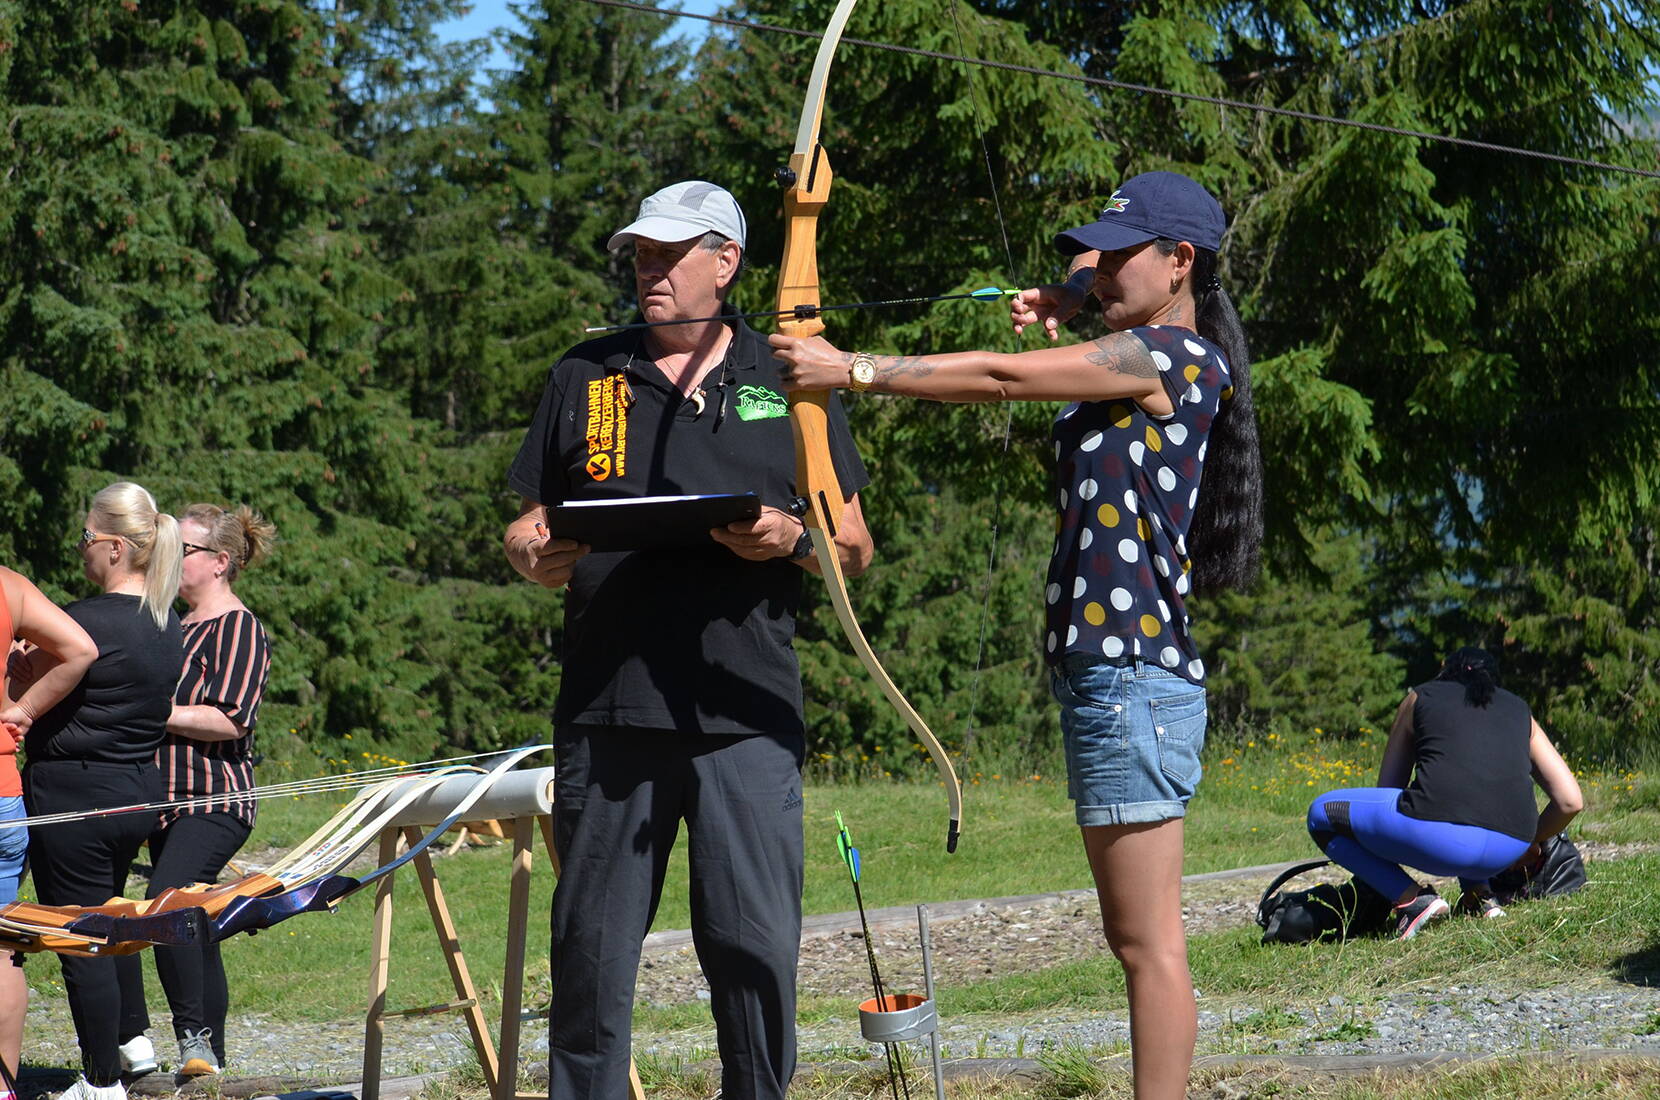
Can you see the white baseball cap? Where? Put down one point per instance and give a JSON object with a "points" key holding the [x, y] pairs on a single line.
{"points": [[682, 211]]}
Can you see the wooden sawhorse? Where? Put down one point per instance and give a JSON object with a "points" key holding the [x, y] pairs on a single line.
{"points": [[499, 1061]]}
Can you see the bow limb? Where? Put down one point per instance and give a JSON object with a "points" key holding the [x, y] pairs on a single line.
{"points": [[807, 190]]}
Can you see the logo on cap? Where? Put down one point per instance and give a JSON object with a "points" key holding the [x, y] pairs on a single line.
{"points": [[1115, 205]]}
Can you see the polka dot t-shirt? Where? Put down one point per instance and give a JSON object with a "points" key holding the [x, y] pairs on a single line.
{"points": [[1126, 483]]}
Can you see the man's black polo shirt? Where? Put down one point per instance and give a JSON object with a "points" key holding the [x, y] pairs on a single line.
{"points": [[696, 640]]}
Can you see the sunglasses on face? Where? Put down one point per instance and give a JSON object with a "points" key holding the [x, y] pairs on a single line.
{"points": [[88, 538]]}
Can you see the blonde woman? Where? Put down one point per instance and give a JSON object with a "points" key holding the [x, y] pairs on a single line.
{"points": [[207, 756], [97, 747]]}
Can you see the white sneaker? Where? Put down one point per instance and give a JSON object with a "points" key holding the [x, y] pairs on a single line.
{"points": [[86, 1090], [138, 1056]]}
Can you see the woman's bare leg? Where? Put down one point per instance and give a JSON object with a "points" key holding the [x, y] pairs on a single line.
{"points": [[1138, 878]]}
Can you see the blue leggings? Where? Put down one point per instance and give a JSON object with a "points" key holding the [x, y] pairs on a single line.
{"points": [[1362, 829]]}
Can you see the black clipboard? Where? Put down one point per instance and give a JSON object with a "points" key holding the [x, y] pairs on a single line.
{"points": [[649, 523]]}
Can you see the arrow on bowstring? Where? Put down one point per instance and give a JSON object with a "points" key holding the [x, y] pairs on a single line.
{"points": [[808, 311], [850, 857]]}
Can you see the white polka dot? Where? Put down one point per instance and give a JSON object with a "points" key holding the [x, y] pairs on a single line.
{"points": [[1071, 634], [1052, 593], [1164, 611], [1195, 347], [1064, 498], [1132, 503], [1137, 450], [1194, 395], [1181, 544], [1196, 669], [1085, 539], [1066, 413], [1129, 549], [1161, 359], [1051, 642], [1202, 448], [1090, 441], [1193, 497], [1176, 433], [1088, 489], [1113, 646], [1161, 565], [1181, 585], [1168, 657], [1135, 647], [1121, 598], [1077, 587], [1167, 479]]}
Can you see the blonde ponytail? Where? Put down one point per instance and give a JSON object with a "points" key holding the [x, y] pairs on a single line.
{"points": [[127, 509], [161, 579]]}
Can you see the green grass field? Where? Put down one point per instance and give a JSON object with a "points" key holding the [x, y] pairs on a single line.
{"points": [[1018, 838]]}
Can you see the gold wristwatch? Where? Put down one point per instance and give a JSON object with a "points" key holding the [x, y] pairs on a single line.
{"points": [[864, 371]]}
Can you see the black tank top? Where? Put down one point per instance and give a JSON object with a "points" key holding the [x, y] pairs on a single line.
{"points": [[1472, 762]]}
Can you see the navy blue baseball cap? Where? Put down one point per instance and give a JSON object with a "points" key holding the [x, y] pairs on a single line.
{"points": [[1149, 206]]}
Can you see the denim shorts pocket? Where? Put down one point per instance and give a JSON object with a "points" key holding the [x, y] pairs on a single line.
{"points": [[1098, 687], [1179, 723]]}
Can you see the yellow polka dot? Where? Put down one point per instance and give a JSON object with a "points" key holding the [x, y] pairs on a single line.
{"points": [[1120, 415], [1094, 613], [1191, 372], [1143, 528], [1155, 441], [1227, 394], [1150, 625], [1187, 565], [1108, 515]]}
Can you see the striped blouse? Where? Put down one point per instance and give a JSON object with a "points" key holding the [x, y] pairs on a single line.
{"points": [[226, 662]]}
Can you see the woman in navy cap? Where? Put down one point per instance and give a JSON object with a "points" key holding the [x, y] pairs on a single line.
{"points": [[1162, 399]]}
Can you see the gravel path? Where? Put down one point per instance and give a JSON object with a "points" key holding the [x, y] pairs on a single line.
{"points": [[970, 940]]}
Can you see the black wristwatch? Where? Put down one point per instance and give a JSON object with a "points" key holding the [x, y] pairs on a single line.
{"points": [[803, 545]]}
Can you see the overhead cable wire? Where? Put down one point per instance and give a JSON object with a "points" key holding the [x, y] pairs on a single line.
{"points": [[1146, 89], [323, 784]]}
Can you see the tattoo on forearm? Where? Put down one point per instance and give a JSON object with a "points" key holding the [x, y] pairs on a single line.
{"points": [[903, 366], [1123, 355]]}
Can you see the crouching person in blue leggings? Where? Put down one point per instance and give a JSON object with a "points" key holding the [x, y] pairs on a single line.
{"points": [[1472, 753]]}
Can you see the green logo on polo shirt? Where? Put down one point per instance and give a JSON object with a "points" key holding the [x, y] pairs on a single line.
{"points": [[760, 403]]}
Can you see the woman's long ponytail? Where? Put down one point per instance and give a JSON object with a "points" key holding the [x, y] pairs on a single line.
{"points": [[1225, 537]]}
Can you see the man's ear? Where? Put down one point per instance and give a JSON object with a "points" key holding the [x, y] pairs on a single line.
{"points": [[731, 253]]}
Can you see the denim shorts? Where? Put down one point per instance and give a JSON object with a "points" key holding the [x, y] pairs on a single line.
{"points": [[1133, 734], [14, 846]]}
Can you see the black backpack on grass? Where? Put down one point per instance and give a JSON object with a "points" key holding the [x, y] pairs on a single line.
{"points": [[1561, 870], [1329, 911]]}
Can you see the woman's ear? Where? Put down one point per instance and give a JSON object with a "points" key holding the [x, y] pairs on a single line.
{"points": [[1181, 262]]}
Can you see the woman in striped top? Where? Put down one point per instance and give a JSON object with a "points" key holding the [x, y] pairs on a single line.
{"points": [[207, 757]]}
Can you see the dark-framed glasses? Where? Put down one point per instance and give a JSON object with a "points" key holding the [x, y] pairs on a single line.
{"points": [[191, 548]]}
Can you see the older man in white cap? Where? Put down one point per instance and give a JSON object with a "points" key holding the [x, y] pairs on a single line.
{"points": [[679, 696]]}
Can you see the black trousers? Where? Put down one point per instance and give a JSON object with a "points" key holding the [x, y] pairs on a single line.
{"points": [[621, 795], [86, 863], [194, 848]]}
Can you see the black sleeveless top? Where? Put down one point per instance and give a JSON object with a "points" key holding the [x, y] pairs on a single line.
{"points": [[1472, 762]]}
